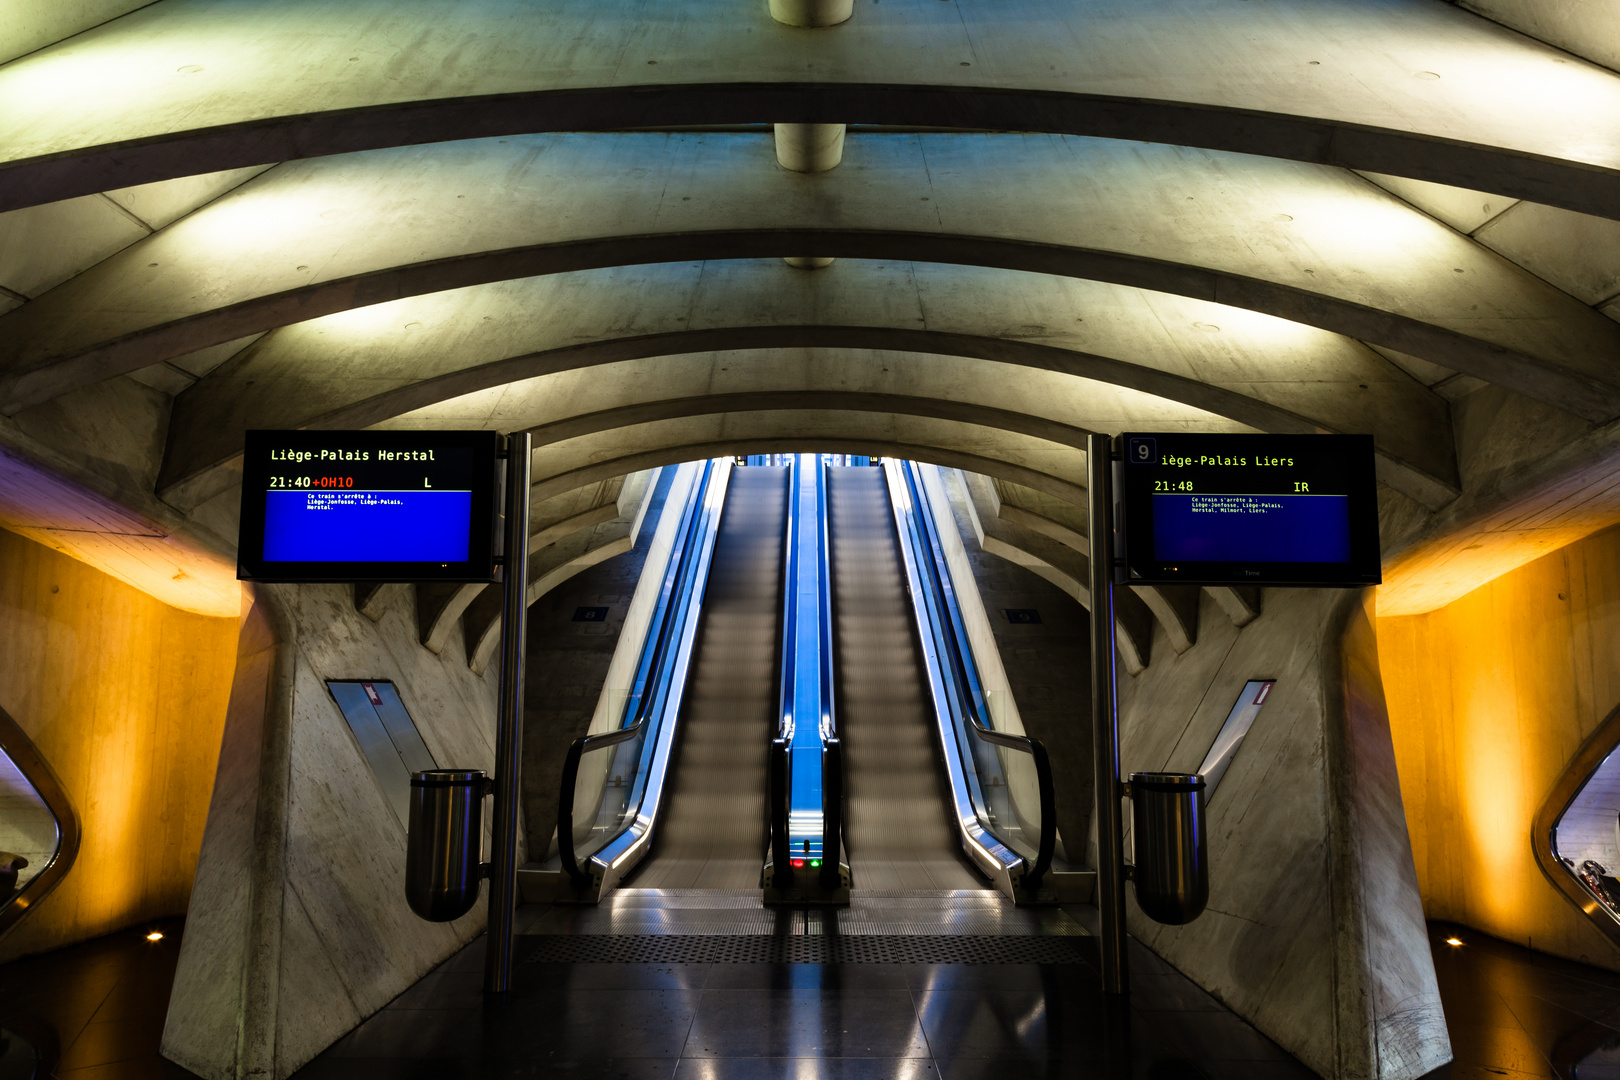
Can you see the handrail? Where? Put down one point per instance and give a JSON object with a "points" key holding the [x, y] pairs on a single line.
{"points": [[676, 596], [963, 692], [780, 790], [790, 602], [1043, 782], [832, 757], [570, 782], [17, 746]]}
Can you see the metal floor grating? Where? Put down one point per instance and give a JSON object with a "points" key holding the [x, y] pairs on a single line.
{"points": [[800, 949], [712, 913]]}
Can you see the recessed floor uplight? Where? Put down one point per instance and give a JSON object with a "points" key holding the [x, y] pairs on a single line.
{"points": [[1453, 941], [156, 935]]}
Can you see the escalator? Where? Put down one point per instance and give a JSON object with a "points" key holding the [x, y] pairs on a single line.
{"points": [[898, 832], [713, 828], [806, 697]]}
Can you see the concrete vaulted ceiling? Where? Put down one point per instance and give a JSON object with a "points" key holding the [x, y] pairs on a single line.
{"points": [[1106, 215], [1306, 242], [1412, 88], [369, 365]]}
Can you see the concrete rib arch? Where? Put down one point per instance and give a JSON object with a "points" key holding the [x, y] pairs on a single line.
{"points": [[206, 280], [280, 87], [207, 432]]}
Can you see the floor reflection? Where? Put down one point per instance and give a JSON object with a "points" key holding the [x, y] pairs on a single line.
{"points": [[1520, 1014], [96, 1011]]}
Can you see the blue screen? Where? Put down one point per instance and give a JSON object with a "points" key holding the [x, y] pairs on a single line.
{"points": [[367, 526], [1251, 528]]}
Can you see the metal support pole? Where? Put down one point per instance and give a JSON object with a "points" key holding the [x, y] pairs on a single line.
{"points": [[1105, 717], [509, 718]]}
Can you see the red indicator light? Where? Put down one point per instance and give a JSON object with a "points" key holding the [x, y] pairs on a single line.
{"points": [[798, 862]]}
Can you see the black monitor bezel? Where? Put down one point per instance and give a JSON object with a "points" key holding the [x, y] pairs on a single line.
{"points": [[256, 469], [1134, 499]]}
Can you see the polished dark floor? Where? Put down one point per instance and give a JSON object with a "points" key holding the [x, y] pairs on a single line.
{"points": [[95, 1012], [850, 1022], [1514, 1014]]}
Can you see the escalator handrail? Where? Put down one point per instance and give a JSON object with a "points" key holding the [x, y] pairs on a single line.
{"points": [[960, 661], [655, 654], [790, 604], [832, 758], [779, 790], [829, 717]]}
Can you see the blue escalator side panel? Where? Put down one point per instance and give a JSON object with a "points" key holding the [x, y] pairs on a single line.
{"points": [[811, 690], [680, 601]]}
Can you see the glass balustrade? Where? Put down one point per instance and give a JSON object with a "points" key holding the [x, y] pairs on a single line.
{"points": [[1000, 778]]}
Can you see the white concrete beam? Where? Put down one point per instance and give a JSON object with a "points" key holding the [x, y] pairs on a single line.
{"points": [[1320, 246], [364, 366], [1408, 87]]}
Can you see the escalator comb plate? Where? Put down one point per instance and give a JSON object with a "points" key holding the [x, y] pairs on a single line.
{"points": [[805, 949]]}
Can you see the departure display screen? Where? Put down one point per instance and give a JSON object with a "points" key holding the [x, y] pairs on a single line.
{"points": [[1253, 509], [368, 506]]}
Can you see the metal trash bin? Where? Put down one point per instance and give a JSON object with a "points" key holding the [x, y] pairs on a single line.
{"points": [[443, 847], [1171, 870]]}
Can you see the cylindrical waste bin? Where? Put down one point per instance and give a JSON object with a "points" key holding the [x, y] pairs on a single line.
{"points": [[1172, 856], [445, 842]]}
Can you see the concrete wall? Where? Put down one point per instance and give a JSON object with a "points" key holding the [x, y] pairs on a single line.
{"points": [[1490, 697], [299, 928], [125, 697], [1314, 931]]}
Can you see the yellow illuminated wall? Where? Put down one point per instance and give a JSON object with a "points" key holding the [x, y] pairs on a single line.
{"points": [[1489, 698], [125, 697]]}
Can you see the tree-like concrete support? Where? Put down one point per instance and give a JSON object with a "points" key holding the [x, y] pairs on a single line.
{"points": [[1176, 608], [1240, 602], [1314, 909]]}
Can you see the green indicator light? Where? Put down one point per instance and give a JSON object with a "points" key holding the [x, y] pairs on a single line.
{"points": [[815, 862]]}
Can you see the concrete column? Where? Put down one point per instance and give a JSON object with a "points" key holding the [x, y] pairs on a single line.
{"points": [[809, 148], [298, 930], [1314, 931], [812, 12]]}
